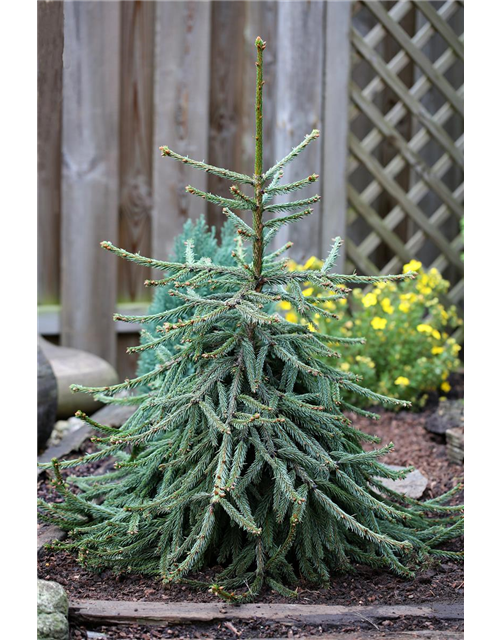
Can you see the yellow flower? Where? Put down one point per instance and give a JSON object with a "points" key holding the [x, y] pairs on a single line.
{"points": [[410, 297], [292, 265], [444, 314], [369, 300], [402, 381], [424, 328], [307, 292], [312, 262], [436, 334], [434, 277], [413, 265], [345, 366], [455, 349], [311, 327], [424, 284], [404, 307], [285, 305], [378, 323], [291, 317], [342, 301], [437, 350], [386, 306], [445, 386]]}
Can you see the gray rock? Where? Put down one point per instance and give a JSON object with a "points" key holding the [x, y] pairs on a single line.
{"points": [[449, 415], [47, 398], [413, 486], [52, 626], [52, 607], [72, 366]]}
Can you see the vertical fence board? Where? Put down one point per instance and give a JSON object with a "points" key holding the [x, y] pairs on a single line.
{"points": [[335, 127], [226, 96], [50, 51], [182, 75], [299, 96], [136, 139], [90, 175], [260, 20]]}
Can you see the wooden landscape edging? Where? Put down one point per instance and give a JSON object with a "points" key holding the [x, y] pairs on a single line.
{"points": [[114, 612]]}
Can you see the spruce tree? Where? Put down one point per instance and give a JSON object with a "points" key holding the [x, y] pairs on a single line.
{"points": [[241, 454], [204, 243]]}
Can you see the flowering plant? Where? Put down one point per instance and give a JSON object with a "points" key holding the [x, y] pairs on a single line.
{"points": [[409, 351]]}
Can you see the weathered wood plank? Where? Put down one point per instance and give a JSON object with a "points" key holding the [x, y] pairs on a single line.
{"points": [[181, 89], [50, 64], [227, 97], [335, 126], [299, 101], [259, 20], [136, 142], [123, 612], [90, 175]]}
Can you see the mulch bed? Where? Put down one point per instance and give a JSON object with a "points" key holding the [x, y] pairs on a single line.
{"points": [[246, 630], [413, 445]]}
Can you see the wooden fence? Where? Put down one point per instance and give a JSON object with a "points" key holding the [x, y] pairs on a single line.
{"points": [[382, 80]]}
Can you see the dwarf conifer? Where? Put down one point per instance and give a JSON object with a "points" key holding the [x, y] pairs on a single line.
{"points": [[240, 452]]}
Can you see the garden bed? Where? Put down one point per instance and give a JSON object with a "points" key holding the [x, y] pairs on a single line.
{"points": [[437, 583]]}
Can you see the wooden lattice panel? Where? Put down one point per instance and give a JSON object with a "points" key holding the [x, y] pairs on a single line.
{"points": [[405, 168]]}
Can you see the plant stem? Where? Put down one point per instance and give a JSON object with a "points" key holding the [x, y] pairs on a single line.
{"points": [[258, 245]]}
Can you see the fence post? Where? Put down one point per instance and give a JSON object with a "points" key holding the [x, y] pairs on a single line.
{"points": [[50, 52], [90, 175], [335, 126], [181, 89], [299, 96], [136, 139]]}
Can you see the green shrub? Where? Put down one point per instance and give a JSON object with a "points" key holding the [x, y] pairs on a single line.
{"points": [[205, 245], [408, 351]]}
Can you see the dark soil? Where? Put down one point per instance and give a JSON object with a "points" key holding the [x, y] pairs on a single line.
{"points": [[259, 629], [413, 445]]}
